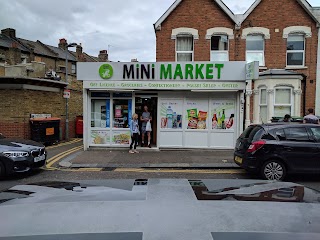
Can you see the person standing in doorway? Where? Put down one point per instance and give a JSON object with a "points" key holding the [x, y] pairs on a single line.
{"points": [[310, 117], [145, 118], [134, 129]]}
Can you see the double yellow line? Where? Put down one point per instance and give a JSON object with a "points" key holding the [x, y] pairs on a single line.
{"points": [[59, 156], [65, 143], [196, 171]]}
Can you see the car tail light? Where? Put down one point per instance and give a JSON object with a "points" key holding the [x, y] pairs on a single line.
{"points": [[256, 146]]}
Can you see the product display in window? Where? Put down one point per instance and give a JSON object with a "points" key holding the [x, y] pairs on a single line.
{"points": [[171, 116], [120, 112], [197, 114], [223, 114]]}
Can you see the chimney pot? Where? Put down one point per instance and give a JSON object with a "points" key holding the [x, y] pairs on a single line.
{"points": [[63, 43], [103, 56]]}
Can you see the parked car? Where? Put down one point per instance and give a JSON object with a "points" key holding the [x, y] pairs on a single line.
{"points": [[274, 150], [20, 155]]}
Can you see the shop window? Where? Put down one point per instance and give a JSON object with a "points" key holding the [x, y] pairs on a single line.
{"points": [[295, 50], [73, 68], [263, 106], [100, 114], [219, 48], [184, 48], [255, 49], [121, 113], [282, 102]]}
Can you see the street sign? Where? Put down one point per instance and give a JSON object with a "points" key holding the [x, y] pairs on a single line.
{"points": [[66, 93], [252, 70]]}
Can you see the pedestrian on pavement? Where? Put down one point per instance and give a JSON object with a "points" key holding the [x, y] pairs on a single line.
{"points": [[145, 118], [310, 117], [134, 129], [287, 118]]}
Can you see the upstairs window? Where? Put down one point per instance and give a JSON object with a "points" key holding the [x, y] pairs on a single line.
{"points": [[184, 48], [73, 68], [295, 50], [219, 48], [255, 49]]}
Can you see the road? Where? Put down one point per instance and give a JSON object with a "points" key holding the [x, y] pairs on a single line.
{"points": [[90, 174]]}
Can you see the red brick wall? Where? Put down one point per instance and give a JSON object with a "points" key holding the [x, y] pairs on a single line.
{"points": [[271, 14], [199, 14]]}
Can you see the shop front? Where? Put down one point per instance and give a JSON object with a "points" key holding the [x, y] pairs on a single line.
{"points": [[192, 105]]}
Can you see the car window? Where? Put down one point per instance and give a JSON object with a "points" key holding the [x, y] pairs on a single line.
{"points": [[316, 133], [296, 134], [280, 134], [257, 134], [247, 132]]}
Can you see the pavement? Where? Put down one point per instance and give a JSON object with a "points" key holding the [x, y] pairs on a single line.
{"points": [[149, 158]]}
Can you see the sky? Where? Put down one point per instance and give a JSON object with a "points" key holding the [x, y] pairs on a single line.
{"points": [[124, 27]]}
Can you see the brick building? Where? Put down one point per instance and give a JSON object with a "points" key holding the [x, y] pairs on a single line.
{"points": [[282, 35], [32, 80]]}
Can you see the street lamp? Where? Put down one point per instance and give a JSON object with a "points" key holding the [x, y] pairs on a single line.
{"points": [[67, 100]]}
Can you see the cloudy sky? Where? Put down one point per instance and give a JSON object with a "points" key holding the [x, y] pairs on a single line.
{"points": [[125, 27]]}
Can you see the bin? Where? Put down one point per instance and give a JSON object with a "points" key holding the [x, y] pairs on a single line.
{"points": [[45, 130], [79, 126]]}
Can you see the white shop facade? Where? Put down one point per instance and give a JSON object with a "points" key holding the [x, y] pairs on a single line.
{"points": [[192, 105]]}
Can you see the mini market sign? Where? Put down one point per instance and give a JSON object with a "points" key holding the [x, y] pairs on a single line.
{"points": [[163, 75]]}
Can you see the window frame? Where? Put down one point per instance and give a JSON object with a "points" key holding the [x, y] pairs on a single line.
{"points": [[291, 105], [310, 138], [219, 51], [176, 44], [257, 51], [297, 51], [73, 68], [262, 104]]}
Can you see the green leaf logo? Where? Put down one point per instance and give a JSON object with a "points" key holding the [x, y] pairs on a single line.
{"points": [[106, 71]]}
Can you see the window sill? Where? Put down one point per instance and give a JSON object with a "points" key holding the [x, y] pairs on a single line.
{"points": [[296, 67], [263, 68]]}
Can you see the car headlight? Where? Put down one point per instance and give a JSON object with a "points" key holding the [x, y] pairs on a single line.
{"points": [[16, 154]]}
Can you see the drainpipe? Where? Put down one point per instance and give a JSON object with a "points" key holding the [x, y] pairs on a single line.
{"points": [[317, 101]]}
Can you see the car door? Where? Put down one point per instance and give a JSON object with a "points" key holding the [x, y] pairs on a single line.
{"points": [[315, 133], [298, 148]]}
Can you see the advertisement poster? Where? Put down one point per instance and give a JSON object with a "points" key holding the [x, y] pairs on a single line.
{"points": [[120, 137], [196, 114], [129, 111], [100, 137], [108, 113], [223, 113], [171, 113]]}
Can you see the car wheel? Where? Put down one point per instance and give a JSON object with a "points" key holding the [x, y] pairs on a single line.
{"points": [[273, 170], [2, 170]]}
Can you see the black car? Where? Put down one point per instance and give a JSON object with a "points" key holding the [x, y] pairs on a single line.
{"points": [[20, 155], [273, 150]]}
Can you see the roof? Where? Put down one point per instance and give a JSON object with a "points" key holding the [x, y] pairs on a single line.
{"points": [[240, 18], [177, 3], [33, 81], [42, 49]]}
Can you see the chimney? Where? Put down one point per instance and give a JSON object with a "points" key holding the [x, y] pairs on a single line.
{"points": [[13, 56], [134, 60], [103, 56], [62, 43], [9, 32], [79, 52]]}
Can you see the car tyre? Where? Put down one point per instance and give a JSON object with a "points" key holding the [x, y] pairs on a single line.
{"points": [[2, 170], [273, 170]]}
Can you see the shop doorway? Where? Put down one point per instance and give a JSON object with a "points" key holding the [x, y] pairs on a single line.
{"points": [[152, 103]]}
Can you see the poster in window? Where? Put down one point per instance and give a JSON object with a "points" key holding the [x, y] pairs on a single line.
{"points": [[196, 113], [171, 113], [121, 137], [100, 137], [108, 113], [222, 114]]}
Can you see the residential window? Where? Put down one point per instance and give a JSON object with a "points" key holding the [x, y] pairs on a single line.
{"points": [[255, 49], [263, 105], [62, 69], [282, 102], [219, 48], [73, 68], [184, 48], [295, 50]]}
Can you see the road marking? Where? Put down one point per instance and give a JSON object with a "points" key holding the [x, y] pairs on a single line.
{"points": [[58, 157], [62, 153], [64, 144]]}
